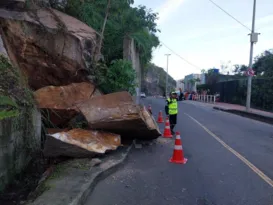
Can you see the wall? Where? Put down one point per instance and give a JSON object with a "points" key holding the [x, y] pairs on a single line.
{"points": [[131, 53], [18, 136]]}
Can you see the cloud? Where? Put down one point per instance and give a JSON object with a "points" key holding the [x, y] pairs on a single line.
{"points": [[168, 8], [262, 23]]}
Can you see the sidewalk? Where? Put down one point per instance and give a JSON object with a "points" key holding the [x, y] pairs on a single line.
{"points": [[240, 108], [72, 181], [255, 114]]}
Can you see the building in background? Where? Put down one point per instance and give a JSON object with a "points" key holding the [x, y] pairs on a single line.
{"points": [[203, 78], [180, 84], [192, 80]]}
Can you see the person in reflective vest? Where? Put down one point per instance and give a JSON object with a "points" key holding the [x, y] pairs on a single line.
{"points": [[171, 110]]}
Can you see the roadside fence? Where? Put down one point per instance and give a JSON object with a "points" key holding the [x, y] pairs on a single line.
{"points": [[204, 98]]}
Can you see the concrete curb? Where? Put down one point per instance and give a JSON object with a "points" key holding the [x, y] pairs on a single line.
{"points": [[75, 184], [105, 172], [251, 115]]}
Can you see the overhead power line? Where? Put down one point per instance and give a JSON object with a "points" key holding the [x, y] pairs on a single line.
{"points": [[230, 15], [180, 56]]}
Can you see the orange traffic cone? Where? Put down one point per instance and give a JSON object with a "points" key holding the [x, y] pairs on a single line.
{"points": [[150, 109], [178, 154], [160, 118], [167, 130]]}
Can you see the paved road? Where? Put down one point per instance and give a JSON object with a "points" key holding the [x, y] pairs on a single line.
{"points": [[217, 173]]}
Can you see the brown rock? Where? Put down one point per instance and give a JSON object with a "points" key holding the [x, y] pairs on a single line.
{"points": [[55, 130], [118, 113], [50, 47], [58, 102], [63, 97], [80, 143]]}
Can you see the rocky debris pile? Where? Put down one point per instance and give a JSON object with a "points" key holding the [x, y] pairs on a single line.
{"points": [[55, 52], [59, 102], [104, 114], [50, 47], [80, 143], [118, 113]]}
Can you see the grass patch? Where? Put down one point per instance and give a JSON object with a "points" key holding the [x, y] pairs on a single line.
{"points": [[5, 100], [14, 94], [59, 171], [9, 108]]}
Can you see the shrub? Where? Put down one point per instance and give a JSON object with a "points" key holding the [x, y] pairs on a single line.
{"points": [[120, 76]]}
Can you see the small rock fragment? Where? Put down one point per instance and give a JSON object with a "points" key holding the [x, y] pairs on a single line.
{"points": [[95, 162]]}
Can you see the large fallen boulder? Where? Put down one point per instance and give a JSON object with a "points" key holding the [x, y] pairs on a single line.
{"points": [[58, 102], [118, 113], [50, 47], [80, 143]]}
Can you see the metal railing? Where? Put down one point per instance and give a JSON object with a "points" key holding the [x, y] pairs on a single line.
{"points": [[205, 98]]}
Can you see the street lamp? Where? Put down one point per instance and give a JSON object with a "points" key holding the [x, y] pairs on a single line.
{"points": [[166, 91], [253, 39]]}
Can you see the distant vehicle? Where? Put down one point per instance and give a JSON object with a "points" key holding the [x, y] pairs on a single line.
{"points": [[142, 95]]}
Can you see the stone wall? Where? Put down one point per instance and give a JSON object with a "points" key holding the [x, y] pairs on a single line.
{"points": [[131, 53], [18, 137]]}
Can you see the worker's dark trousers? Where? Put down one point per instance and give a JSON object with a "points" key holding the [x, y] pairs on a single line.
{"points": [[173, 119], [172, 127]]}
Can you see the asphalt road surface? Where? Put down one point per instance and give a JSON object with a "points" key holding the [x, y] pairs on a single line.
{"points": [[230, 162]]}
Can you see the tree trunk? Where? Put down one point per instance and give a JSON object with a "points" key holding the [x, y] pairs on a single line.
{"points": [[102, 30]]}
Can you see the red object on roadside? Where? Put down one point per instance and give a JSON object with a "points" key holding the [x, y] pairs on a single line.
{"points": [[178, 153], [160, 117], [250, 72], [167, 130]]}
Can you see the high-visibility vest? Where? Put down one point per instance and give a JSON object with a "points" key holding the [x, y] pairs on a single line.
{"points": [[173, 107]]}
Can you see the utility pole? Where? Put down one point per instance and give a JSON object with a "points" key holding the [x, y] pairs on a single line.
{"points": [[166, 91], [253, 39]]}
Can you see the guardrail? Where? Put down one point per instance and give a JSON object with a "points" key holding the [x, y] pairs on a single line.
{"points": [[205, 98]]}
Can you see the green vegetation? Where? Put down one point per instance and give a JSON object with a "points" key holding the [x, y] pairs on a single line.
{"points": [[119, 76], [8, 108], [233, 89], [12, 94], [123, 21], [116, 20]]}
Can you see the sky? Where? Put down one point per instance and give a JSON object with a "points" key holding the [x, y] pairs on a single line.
{"points": [[205, 36]]}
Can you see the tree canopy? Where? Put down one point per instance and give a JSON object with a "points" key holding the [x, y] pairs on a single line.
{"points": [[233, 90], [123, 21], [263, 66]]}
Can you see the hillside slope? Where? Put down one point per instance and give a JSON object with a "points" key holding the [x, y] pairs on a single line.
{"points": [[154, 79]]}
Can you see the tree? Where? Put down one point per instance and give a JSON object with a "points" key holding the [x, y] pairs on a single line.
{"points": [[117, 20], [103, 28], [239, 69], [225, 67], [120, 76], [211, 77], [263, 65]]}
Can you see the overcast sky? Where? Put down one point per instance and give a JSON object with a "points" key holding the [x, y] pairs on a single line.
{"points": [[204, 35]]}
